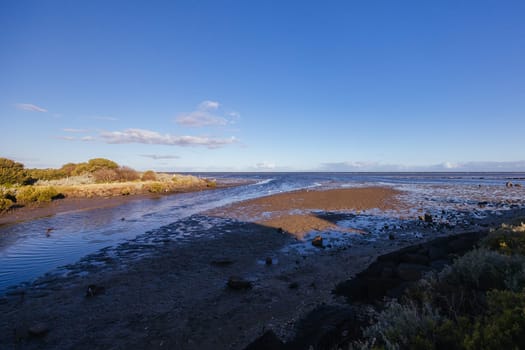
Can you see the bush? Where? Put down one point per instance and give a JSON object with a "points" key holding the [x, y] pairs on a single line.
{"points": [[105, 175], [156, 187], [504, 325], [13, 173], [47, 174], [149, 175], [459, 289], [405, 326], [506, 240], [127, 174], [5, 204], [31, 194]]}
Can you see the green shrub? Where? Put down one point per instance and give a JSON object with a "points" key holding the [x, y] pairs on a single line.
{"points": [[149, 175], [13, 173], [156, 187], [5, 204], [406, 326], [504, 325], [506, 240], [460, 288], [31, 194]]}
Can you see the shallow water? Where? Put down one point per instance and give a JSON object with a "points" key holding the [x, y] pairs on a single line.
{"points": [[26, 252]]}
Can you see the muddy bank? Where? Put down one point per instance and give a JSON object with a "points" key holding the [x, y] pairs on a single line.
{"points": [[72, 204], [156, 291]]}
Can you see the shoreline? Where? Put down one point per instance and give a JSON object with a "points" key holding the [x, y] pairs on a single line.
{"points": [[175, 295], [73, 204]]}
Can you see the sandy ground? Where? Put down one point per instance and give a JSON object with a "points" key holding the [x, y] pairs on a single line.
{"points": [[176, 297], [296, 212]]}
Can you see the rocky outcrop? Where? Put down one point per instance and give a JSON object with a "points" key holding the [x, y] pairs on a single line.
{"points": [[391, 273]]}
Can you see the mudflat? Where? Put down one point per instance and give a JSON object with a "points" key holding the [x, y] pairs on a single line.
{"points": [[176, 295]]}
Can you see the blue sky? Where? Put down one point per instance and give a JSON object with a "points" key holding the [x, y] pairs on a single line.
{"points": [[264, 85]]}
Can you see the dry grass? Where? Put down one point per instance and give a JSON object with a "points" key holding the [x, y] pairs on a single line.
{"points": [[85, 187]]}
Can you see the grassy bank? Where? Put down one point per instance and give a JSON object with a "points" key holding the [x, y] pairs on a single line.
{"points": [[20, 187]]}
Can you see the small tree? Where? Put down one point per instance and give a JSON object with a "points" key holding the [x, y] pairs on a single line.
{"points": [[105, 175], [149, 176], [12, 173]]}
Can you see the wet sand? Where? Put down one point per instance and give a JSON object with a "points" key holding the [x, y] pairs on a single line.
{"points": [[175, 295], [295, 212]]}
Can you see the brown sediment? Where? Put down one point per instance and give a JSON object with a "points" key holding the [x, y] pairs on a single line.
{"points": [[73, 203], [292, 211]]}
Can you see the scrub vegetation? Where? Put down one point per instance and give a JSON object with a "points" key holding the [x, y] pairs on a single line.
{"points": [[98, 177], [478, 302]]}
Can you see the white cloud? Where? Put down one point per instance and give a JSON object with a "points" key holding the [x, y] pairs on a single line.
{"points": [[209, 105], [87, 138], [157, 157], [30, 107], [67, 138], [206, 115], [265, 165], [200, 118], [155, 138], [74, 130]]}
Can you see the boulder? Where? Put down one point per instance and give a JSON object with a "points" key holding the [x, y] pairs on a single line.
{"points": [[508, 184], [238, 283], [318, 242]]}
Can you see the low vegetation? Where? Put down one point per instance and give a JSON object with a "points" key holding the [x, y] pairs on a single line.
{"points": [[98, 177], [476, 303]]}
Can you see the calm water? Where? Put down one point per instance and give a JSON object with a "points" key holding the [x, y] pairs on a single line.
{"points": [[26, 252]]}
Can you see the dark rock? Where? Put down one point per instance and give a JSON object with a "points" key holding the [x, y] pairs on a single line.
{"points": [[38, 330], [268, 260], [280, 230], [93, 290], [428, 218], [391, 236], [318, 242], [222, 262], [238, 283], [483, 204], [411, 272], [508, 184], [268, 340], [517, 185]]}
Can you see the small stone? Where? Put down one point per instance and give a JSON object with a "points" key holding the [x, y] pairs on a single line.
{"points": [[318, 242], [517, 185], [391, 237], [428, 218], [93, 290], [38, 330], [238, 283], [268, 261]]}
